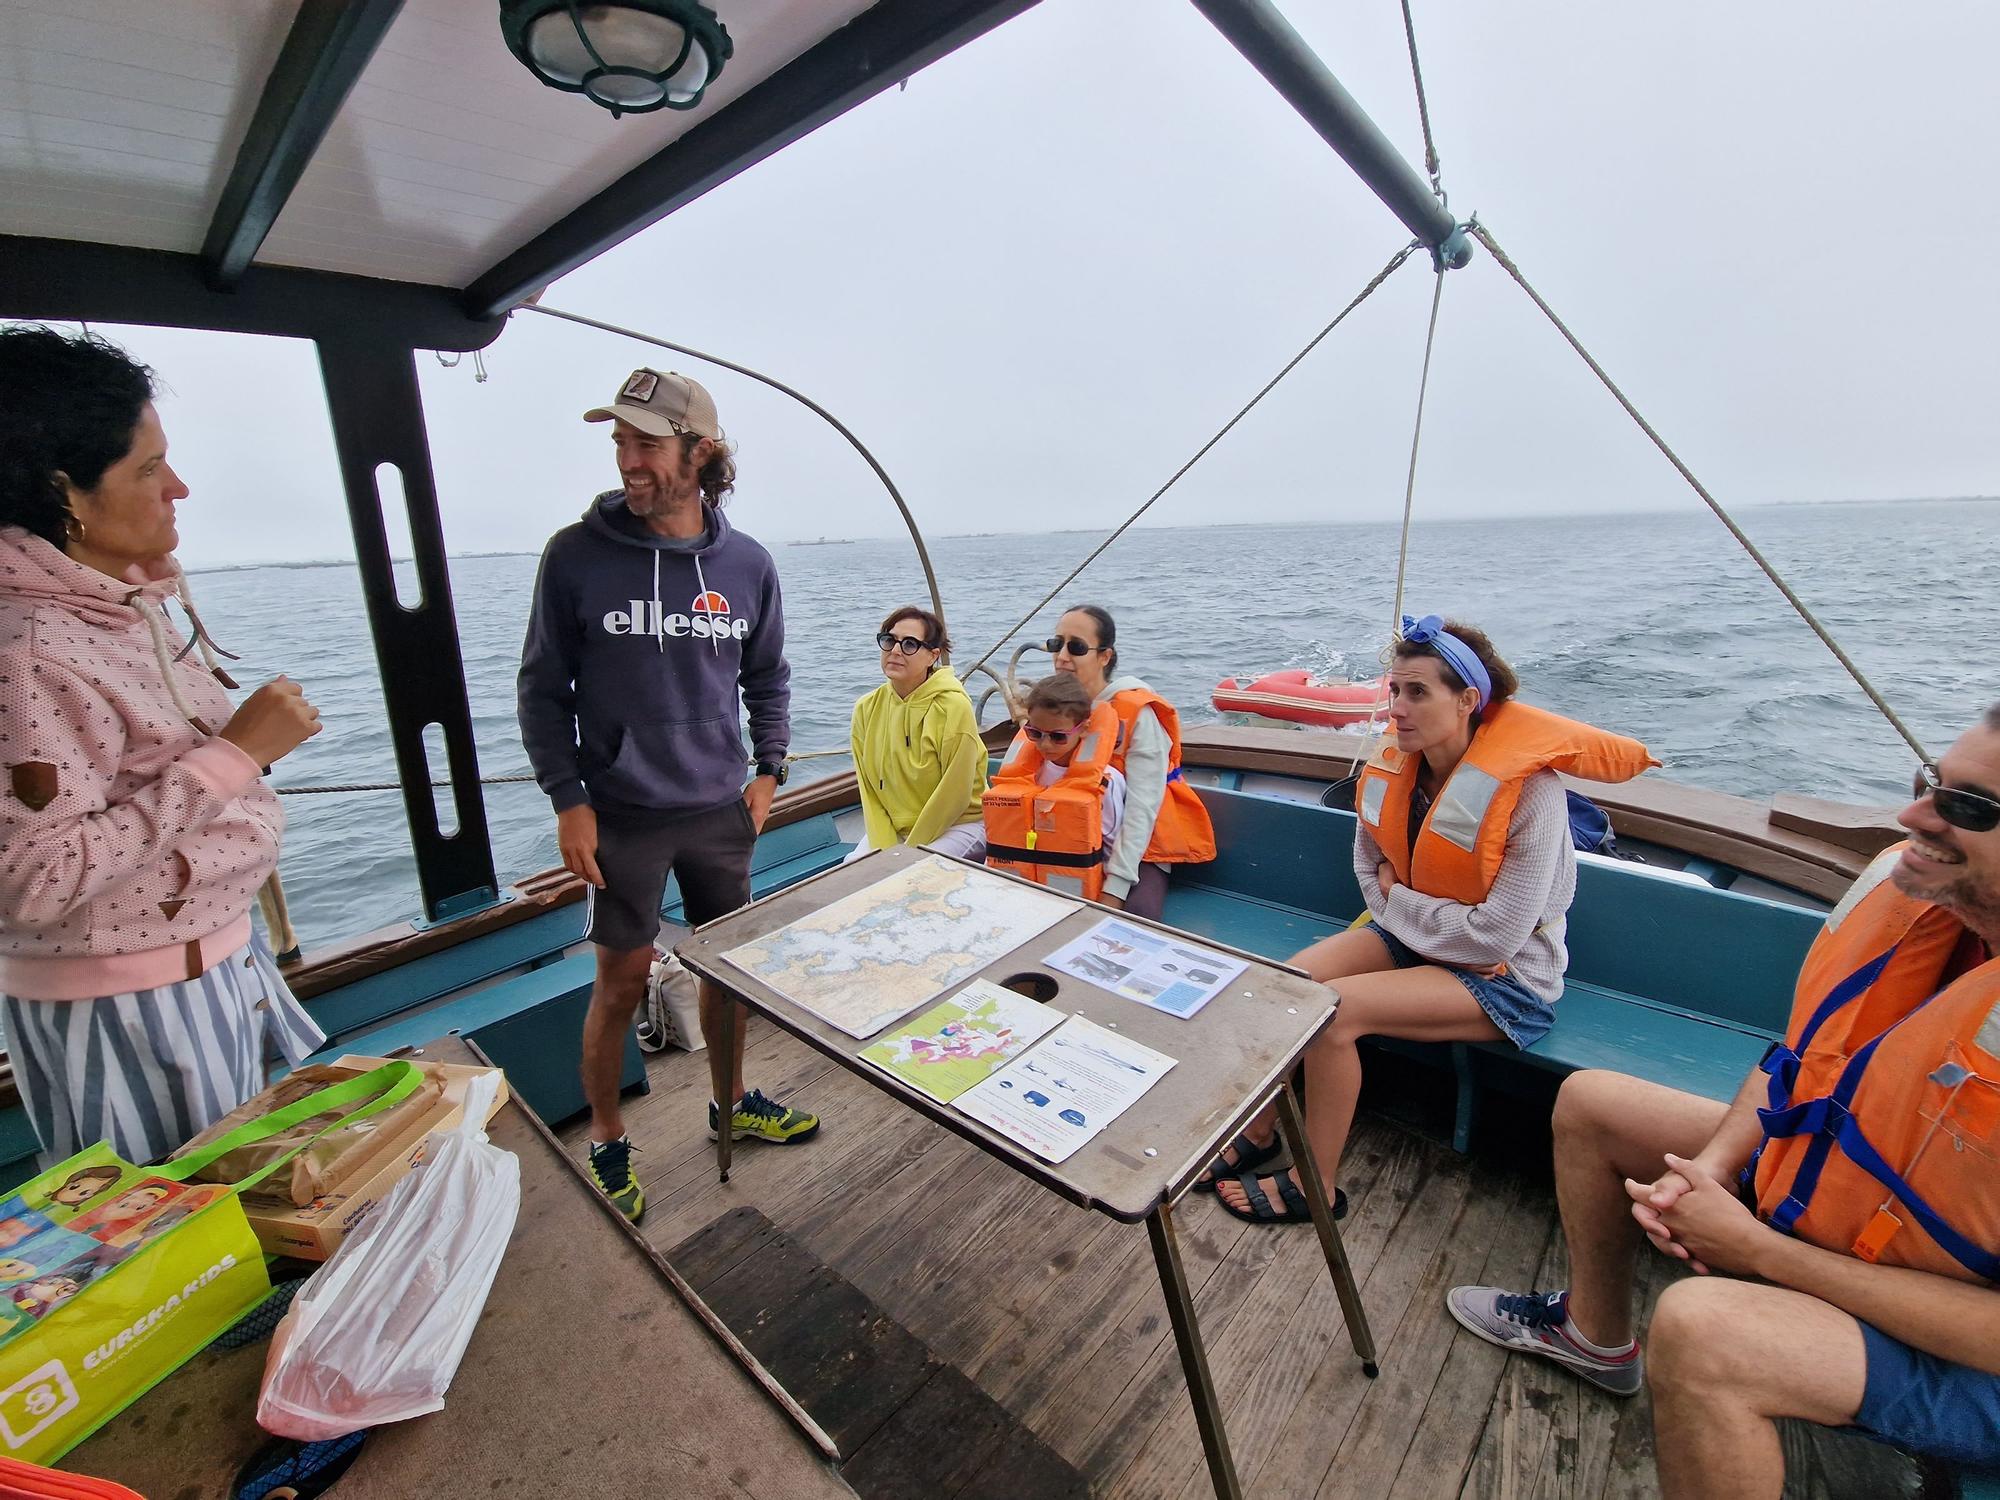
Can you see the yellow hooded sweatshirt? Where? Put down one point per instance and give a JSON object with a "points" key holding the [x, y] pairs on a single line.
{"points": [[920, 761]]}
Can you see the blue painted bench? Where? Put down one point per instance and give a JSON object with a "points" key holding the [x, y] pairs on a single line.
{"points": [[1681, 984]]}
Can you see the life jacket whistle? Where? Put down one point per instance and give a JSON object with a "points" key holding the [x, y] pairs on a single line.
{"points": [[1882, 1123], [1464, 836], [1053, 835]]}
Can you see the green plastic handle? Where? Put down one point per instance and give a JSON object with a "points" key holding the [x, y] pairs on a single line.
{"points": [[381, 1087]]}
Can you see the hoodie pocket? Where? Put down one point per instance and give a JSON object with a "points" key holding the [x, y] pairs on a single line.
{"points": [[692, 763]]}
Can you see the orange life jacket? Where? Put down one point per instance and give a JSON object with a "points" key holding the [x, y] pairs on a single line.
{"points": [[1464, 836], [1182, 834], [1882, 1135], [1053, 835]]}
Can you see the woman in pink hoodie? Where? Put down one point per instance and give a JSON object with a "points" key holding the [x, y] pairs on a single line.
{"points": [[134, 827]]}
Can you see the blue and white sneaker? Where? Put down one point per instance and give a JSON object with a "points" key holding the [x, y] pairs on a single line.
{"points": [[1538, 1323]]}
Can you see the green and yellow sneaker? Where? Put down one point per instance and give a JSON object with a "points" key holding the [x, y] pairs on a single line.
{"points": [[611, 1170], [760, 1119]]}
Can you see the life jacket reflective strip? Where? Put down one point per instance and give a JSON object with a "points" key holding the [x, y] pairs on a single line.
{"points": [[1883, 1109], [1053, 835], [1464, 836], [1182, 833]]}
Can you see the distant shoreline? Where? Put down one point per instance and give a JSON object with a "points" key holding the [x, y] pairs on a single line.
{"points": [[971, 536]]}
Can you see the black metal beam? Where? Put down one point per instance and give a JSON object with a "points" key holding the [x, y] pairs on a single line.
{"points": [[1273, 48], [329, 44], [71, 281], [883, 45], [378, 418]]}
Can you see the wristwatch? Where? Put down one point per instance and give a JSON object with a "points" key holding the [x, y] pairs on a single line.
{"points": [[777, 770]]}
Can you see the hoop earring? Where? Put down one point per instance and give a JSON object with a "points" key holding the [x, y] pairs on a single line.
{"points": [[73, 529]]}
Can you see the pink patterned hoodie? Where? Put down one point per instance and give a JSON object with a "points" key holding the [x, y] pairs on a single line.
{"points": [[132, 840]]}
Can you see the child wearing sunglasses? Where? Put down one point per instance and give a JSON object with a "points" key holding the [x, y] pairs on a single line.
{"points": [[1039, 811]]}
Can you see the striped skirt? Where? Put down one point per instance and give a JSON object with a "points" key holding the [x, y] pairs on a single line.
{"points": [[148, 1069]]}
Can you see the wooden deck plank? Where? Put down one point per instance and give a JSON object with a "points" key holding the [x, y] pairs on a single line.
{"points": [[1116, 1335], [1350, 1438], [1151, 1447], [1268, 1356], [1499, 1239], [1056, 1313], [1523, 1424]]}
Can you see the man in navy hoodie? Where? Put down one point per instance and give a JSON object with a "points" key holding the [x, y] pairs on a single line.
{"points": [[651, 617]]}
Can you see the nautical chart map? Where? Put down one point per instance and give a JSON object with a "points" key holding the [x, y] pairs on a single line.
{"points": [[888, 948]]}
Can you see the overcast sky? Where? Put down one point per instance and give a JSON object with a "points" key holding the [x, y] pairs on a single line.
{"points": [[1037, 278]]}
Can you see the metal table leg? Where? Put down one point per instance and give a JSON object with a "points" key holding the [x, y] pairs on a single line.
{"points": [[1194, 1361], [721, 1069], [1330, 1244]]}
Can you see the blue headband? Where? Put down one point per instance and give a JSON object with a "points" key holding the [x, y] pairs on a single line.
{"points": [[1430, 631]]}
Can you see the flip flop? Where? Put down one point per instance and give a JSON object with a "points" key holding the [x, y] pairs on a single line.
{"points": [[1249, 1157], [1295, 1209]]}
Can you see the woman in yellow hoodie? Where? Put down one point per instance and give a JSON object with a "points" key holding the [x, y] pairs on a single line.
{"points": [[917, 751]]}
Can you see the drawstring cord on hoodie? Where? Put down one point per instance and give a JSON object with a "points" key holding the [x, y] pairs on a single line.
{"points": [[163, 652], [659, 610]]}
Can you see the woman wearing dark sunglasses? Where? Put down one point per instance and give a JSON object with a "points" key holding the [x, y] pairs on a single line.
{"points": [[1165, 824], [917, 751]]}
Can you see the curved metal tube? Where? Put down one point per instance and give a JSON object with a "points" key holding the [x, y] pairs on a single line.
{"points": [[916, 536]]}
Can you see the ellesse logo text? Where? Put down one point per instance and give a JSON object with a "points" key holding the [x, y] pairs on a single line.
{"points": [[708, 618]]}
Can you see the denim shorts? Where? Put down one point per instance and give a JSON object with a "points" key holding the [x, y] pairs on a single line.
{"points": [[1929, 1405], [1523, 1017]]}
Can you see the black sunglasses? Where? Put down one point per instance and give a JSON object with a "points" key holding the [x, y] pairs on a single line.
{"points": [[1971, 811], [909, 645], [1055, 645], [1053, 736]]}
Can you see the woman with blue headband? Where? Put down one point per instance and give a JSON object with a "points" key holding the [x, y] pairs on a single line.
{"points": [[1463, 854]]}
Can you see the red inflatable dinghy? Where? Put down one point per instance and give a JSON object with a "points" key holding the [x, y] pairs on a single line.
{"points": [[1295, 697]]}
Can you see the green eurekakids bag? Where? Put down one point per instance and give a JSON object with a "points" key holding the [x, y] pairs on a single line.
{"points": [[112, 1276]]}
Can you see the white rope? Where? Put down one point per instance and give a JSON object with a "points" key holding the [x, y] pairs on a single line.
{"points": [[1416, 444], [1395, 262], [1485, 237]]}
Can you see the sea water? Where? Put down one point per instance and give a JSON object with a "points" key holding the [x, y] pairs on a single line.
{"points": [[1654, 625]]}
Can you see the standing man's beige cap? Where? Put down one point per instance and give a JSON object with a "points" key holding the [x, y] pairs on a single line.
{"points": [[663, 404]]}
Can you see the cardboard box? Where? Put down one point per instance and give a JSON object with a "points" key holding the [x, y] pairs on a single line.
{"points": [[315, 1231]]}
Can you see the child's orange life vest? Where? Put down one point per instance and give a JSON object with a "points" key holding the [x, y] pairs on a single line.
{"points": [[1053, 835]]}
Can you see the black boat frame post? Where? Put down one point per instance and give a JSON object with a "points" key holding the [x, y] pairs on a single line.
{"points": [[1266, 39], [378, 426]]}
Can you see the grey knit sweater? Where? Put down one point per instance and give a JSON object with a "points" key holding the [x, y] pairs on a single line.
{"points": [[1521, 923]]}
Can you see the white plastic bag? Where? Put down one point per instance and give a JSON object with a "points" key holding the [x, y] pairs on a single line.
{"points": [[671, 1016], [376, 1335]]}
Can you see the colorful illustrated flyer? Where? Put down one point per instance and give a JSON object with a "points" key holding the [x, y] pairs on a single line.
{"points": [[1056, 1097], [967, 1038], [1148, 966]]}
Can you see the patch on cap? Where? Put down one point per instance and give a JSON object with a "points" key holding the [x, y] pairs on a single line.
{"points": [[640, 386]]}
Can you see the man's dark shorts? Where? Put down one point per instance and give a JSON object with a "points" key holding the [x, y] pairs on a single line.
{"points": [[708, 853], [1929, 1405]]}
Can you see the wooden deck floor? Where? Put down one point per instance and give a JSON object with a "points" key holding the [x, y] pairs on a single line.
{"points": [[1056, 1312]]}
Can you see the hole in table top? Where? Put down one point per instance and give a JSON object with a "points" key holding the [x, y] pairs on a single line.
{"points": [[1035, 986]]}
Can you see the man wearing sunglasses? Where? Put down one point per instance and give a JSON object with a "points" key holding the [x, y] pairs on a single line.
{"points": [[1842, 1216]]}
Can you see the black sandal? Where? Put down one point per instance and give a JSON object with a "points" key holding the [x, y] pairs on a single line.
{"points": [[1249, 1157], [1295, 1209]]}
